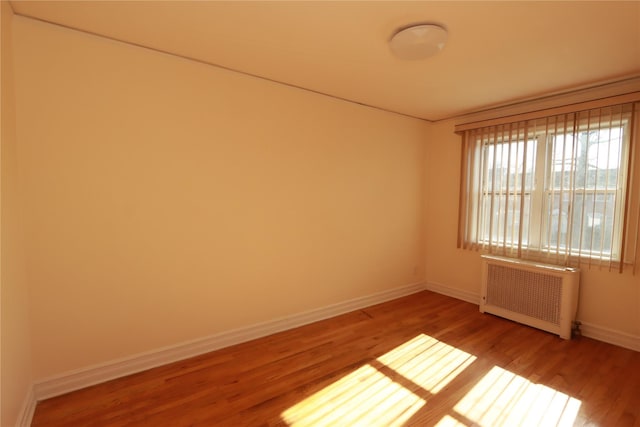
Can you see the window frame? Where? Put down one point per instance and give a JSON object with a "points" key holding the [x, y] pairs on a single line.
{"points": [[542, 244], [539, 190]]}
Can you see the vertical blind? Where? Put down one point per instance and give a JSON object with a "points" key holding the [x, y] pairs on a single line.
{"points": [[558, 188]]}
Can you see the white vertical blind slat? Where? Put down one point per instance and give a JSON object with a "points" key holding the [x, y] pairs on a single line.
{"points": [[509, 199]]}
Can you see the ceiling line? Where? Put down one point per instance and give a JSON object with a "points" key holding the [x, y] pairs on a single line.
{"points": [[211, 64]]}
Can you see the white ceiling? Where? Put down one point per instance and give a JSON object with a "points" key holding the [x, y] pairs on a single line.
{"points": [[497, 52]]}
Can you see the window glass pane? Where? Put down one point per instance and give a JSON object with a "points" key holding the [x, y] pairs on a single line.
{"points": [[506, 210], [593, 162], [592, 223], [562, 161], [508, 163]]}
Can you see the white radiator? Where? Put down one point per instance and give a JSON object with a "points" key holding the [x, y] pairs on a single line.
{"points": [[538, 295]]}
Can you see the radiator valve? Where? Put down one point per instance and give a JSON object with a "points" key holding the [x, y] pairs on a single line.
{"points": [[575, 329]]}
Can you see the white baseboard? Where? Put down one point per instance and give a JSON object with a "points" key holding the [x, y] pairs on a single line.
{"points": [[81, 378], [460, 294], [28, 408], [588, 330], [610, 336], [85, 377]]}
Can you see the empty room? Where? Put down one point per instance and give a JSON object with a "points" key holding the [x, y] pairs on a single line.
{"points": [[320, 213]]}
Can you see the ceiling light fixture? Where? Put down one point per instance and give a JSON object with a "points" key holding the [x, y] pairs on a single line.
{"points": [[418, 41]]}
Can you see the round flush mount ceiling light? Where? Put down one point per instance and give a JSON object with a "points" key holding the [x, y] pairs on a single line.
{"points": [[418, 41]]}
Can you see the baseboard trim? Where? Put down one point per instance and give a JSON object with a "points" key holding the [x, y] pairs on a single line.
{"points": [[588, 330], [28, 409], [81, 378], [610, 336], [460, 294]]}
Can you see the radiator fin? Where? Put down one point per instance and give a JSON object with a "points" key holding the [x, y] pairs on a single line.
{"points": [[531, 293]]}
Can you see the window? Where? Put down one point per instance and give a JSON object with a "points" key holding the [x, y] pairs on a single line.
{"points": [[552, 188]]}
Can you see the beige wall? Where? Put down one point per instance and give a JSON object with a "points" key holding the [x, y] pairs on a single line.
{"points": [[608, 300], [15, 354], [167, 200], [445, 264]]}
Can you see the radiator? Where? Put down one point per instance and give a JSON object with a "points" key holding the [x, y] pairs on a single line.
{"points": [[538, 295]]}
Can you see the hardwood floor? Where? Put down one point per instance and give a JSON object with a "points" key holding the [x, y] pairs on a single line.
{"points": [[422, 360]]}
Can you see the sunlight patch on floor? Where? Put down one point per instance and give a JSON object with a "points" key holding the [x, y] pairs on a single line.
{"points": [[502, 398], [387, 394], [364, 397], [427, 362], [449, 421]]}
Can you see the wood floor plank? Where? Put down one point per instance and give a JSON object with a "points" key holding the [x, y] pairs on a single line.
{"points": [[419, 360]]}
